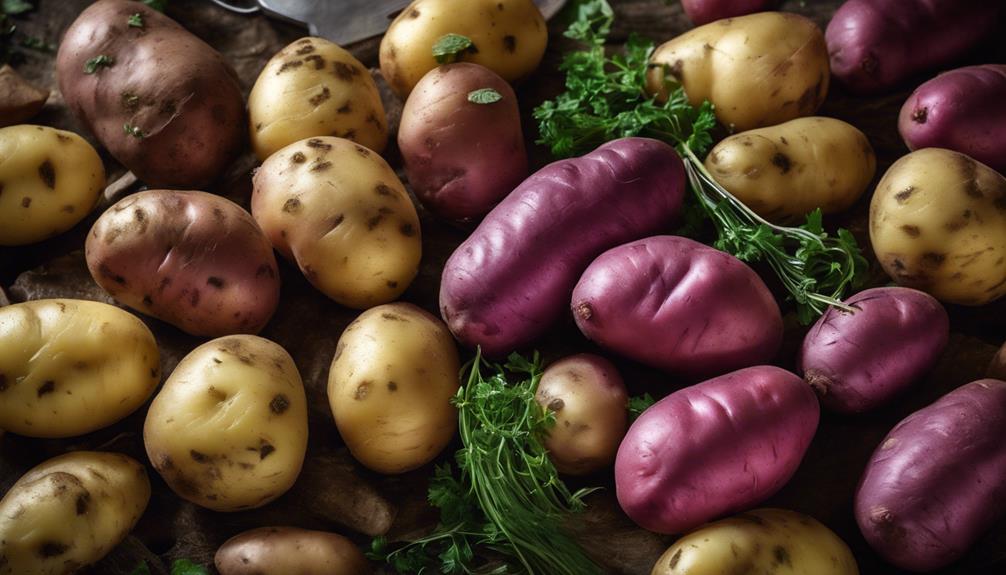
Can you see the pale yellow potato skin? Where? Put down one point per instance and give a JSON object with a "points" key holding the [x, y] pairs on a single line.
{"points": [[787, 171], [70, 511], [509, 35], [338, 211], [763, 541], [50, 180], [938, 224], [757, 70], [390, 386], [69, 367], [290, 550], [315, 88], [228, 431]]}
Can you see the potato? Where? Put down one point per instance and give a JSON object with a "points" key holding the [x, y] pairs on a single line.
{"points": [[763, 541], [49, 181], [589, 400], [164, 103], [507, 36], [390, 386], [997, 365], [758, 70], [70, 511], [705, 11], [288, 550], [192, 259], [228, 430], [341, 214], [69, 367], [787, 171], [19, 99], [315, 88], [938, 224]]}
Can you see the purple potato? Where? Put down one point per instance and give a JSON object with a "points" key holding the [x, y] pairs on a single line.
{"points": [[705, 11]]}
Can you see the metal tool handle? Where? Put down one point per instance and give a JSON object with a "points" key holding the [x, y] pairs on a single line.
{"points": [[237, 9]]}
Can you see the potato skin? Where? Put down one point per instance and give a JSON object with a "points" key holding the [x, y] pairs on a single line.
{"points": [[997, 366], [705, 11], [758, 70], [678, 305], [228, 431], [192, 259], [392, 378], [961, 110], [69, 512], [938, 224], [50, 180], [286, 550], [513, 276], [938, 480], [338, 211], [749, 429], [859, 361], [180, 93], [69, 367], [787, 171], [589, 400], [461, 157], [335, 96], [509, 36]]}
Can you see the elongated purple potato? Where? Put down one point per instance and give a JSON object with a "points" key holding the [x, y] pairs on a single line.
{"points": [[705, 11], [938, 480], [679, 306], [875, 44], [963, 110], [859, 361], [714, 448], [513, 276]]}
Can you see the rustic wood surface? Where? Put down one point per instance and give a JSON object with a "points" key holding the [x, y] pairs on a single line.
{"points": [[334, 492]]}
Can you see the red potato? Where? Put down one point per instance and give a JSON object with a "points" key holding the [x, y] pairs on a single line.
{"points": [[705, 11]]}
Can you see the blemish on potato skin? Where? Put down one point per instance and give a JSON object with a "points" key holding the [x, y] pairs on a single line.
{"points": [[292, 205], [321, 166], [279, 404], [392, 386], [82, 503], [52, 549], [414, 14], [104, 270], [199, 457], [362, 391], [47, 173], [292, 64], [372, 119], [510, 43], [781, 161], [391, 284], [321, 97], [345, 108], [68, 209], [298, 158], [781, 556], [374, 221], [25, 202], [344, 71], [407, 229], [47, 387], [911, 231], [904, 194], [307, 48], [194, 298], [215, 282], [318, 144], [933, 259], [336, 221], [674, 559]]}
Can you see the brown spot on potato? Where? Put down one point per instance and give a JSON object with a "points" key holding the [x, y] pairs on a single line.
{"points": [[904, 194], [391, 284], [392, 317], [781, 161], [584, 310], [165, 282], [199, 457], [345, 71], [318, 144], [510, 43], [47, 387], [336, 221], [373, 119], [25, 202], [345, 108], [556, 405], [362, 151], [82, 503], [919, 115], [279, 404], [349, 135], [291, 205], [194, 298], [933, 259], [47, 173], [414, 13], [214, 281], [320, 97], [362, 391], [911, 231], [781, 556], [219, 215], [298, 158], [52, 549], [321, 166], [292, 64], [407, 229], [68, 209], [307, 48], [106, 272], [392, 386], [148, 300], [674, 559], [374, 221]]}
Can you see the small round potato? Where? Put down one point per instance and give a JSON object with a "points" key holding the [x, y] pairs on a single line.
{"points": [[339, 211], [390, 386], [49, 181], [507, 36], [69, 512], [69, 367], [289, 550], [315, 88], [787, 171], [938, 224], [228, 430]]}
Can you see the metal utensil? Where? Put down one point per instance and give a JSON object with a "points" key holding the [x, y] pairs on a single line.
{"points": [[344, 21]]}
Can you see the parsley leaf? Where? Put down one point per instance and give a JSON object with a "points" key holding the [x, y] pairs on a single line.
{"points": [[134, 131], [186, 567], [450, 47], [99, 61], [484, 96], [141, 569], [15, 7], [135, 21], [638, 404], [158, 5]]}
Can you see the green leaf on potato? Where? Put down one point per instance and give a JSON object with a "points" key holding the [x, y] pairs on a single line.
{"points": [[99, 61], [484, 96], [450, 47]]}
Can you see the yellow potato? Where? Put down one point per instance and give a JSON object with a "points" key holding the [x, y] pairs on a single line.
{"points": [[507, 36], [289, 551], [390, 386], [339, 211], [229, 429], [938, 224], [763, 541], [49, 181], [69, 512], [315, 88], [758, 70], [69, 367], [784, 172]]}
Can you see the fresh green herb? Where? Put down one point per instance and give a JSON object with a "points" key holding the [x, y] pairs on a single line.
{"points": [[99, 61], [450, 47], [484, 96], [141, 569], [504, 512], [638, 404], [605, 99], [158, 5], [133, 131], [9, 36], [15, 7], [135, 21], [186, 567], [38, 44]]}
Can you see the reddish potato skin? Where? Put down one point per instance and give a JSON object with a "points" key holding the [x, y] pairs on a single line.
{"points": [[513, 276], [187, 103], [461, 158], [859, 361], [875, 44], [680, 306], [705, 11], [714, 448], [938, 480], [962, 110]]}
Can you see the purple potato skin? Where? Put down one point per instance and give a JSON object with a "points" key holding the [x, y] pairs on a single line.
{"points": [[678, 305], [963, 110], [938, 480], [859, 361], [714, 448], [513, 277], [876, 44], [705, 11]]}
